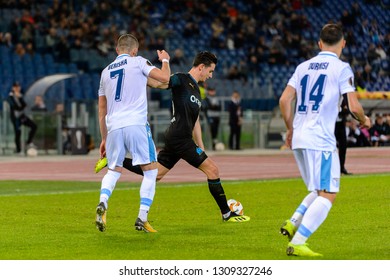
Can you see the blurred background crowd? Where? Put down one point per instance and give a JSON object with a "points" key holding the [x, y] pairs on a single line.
{"points": [[258, 43]]}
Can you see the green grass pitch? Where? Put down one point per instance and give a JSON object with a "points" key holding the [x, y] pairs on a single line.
{"points": [[47, 220]]}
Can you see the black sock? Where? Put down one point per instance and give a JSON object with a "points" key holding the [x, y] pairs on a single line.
{"points": [[128, 164], [218, 193]]}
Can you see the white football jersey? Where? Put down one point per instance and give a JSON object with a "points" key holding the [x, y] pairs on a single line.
{"points": [[319, 83], [123, 82]]}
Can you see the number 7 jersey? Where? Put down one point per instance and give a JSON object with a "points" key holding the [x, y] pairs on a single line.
{"points": [[123, 82], [319, 83]]}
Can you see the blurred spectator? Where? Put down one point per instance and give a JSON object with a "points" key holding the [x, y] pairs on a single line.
{"points": [[217, 27], [380, 51], [39, 104], [30, 49], [19, 118], [277, 52], [235, 121], [158, 44], [350, 38], [20, 50], [375, 33], [212, 110], [233, 73], [66, 132], [347, 20], [359, 81], [27, 34], [15, 28], [51, 40], [243, 69], [380, 131], [341, 136], [356, 10], [355, 136], [368, 76], [373, 58], [230, 42], [62, 53], [7, 40], [364, 28], [160, 31], [191, 29], [178, 58]]}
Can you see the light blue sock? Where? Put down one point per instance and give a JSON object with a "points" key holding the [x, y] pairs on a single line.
{"points": [[108, 185], [296, 218], [313, 218], [147, 191]]}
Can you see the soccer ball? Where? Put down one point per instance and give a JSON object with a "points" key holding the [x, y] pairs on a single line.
{"points": [[235, 206], [220, 146], [32, 152]]}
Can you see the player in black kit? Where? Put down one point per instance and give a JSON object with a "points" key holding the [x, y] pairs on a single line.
{"points": [[183, 137]]}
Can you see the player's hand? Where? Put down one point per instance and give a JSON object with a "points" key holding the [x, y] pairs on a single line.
{"points": [[162, 55], [367, 122], [102, 149], [288, 141]]}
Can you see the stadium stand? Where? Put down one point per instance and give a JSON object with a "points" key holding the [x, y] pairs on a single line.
{"points": [[262, 41], [288, 29]]}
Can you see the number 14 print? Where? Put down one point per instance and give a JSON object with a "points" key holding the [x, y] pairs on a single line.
{"points": [[315, 95]]}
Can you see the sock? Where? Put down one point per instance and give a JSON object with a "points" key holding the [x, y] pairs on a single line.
{"points": [[296, 218], [108, 185], [313, 218], [128, 164], [147, 191], [218, 193]]}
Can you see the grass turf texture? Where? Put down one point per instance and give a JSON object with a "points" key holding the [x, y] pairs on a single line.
{"points": [[44, 220]]}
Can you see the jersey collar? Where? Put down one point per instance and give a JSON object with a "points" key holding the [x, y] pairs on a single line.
{"points": [[328, 53], [196, 83], [122, 55]]}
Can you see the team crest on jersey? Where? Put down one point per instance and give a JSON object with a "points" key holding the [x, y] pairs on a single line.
{"points": [[326, 155]]}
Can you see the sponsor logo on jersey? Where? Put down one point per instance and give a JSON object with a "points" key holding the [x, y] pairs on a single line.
{"points": [[195, 100]]}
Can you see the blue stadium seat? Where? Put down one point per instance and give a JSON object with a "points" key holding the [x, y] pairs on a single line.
{"points": [[385, 65]]}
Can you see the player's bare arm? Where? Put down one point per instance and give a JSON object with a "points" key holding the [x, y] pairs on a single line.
{"points": [[286, 108], [356, 110], [102, 123], [153, 83], [197, 134], [162, 75]]}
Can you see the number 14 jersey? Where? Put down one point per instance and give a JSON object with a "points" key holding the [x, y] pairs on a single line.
{"points": [[319, 83]]}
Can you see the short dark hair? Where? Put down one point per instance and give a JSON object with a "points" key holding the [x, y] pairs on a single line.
{"points": [[206, 58], [331, 34]]}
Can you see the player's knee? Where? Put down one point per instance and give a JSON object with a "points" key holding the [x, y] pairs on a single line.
{"points": [[213, 171]]}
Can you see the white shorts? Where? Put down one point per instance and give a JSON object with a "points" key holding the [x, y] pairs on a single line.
{"points": [[136, 140], [320, 170]]}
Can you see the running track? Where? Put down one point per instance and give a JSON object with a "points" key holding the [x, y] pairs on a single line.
{"points": [[233, 165]]}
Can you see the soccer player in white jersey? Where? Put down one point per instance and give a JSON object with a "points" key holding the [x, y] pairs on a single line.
{"points": [[317, 88], [124, 126]]}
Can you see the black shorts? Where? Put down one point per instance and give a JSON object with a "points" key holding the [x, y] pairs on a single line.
{"points": [[186, 150]]}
